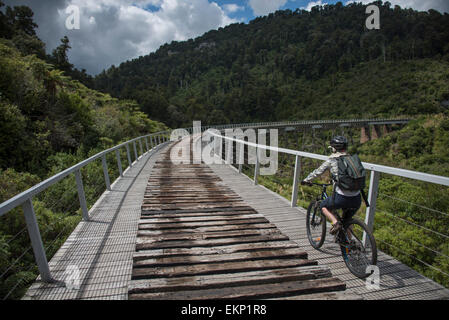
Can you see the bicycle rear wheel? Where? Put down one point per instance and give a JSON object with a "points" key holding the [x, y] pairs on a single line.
{"points": [[315, 225], [356, 255]]}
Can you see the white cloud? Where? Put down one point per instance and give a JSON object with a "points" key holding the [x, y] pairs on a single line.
{"points": [[420, 5], [232, 7], [113, 31], [264, 7], [312, 4]]}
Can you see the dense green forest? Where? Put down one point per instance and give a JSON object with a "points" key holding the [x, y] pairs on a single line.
{"points": [[49, 122], [293, 65]]}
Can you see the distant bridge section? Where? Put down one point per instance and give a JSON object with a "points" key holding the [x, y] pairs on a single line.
{"points": [[371, 129]]}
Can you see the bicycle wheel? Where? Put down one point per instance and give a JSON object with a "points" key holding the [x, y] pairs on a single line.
{"points": [[357, 256], [315, 225]]}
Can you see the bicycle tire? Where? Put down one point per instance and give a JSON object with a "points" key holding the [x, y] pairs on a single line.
{"points": [[316, 240], [352, 255]]}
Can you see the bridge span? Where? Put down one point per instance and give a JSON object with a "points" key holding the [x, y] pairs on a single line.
{"points": [[199, 231]]}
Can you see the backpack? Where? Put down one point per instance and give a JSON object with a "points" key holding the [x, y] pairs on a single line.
{"points": [[351, 173]]}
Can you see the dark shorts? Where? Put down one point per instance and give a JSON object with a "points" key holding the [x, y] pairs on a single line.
{"points": [[352, 204]]}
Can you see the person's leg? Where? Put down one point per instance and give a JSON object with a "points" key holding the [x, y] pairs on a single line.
{"points": [[329, 215], [334, 203], [354, 204]]}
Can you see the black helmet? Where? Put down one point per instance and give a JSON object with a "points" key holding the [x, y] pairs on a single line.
{"points": [[339, 143]]}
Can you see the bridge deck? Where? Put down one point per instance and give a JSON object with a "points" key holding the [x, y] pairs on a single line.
{"points": [[104, 248]]}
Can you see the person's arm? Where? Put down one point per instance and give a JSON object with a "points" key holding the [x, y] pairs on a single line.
{"points": [[318, 172]]}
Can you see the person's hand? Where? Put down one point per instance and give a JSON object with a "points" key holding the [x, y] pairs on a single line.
{"points": [[307, 183]]}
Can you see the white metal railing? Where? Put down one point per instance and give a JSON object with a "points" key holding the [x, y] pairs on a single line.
{"points": [[375, 169], [25, 198]]}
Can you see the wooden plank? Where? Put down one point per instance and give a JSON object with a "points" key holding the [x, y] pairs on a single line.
{"points": [[191, 206], [174, 224], [152, 219], [242, 256], [223, 267], [147, 235], [198, 201], [145, 254], [204, 210], [149, 244], [231, 279], [153, 231], [198, 214], [260, 291]]}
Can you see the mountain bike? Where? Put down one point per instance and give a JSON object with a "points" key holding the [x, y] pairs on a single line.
{"points": [[356, 241]]}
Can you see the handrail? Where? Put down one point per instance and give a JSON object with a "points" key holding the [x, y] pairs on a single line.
{"points": [[416, 175], [22, 197]]}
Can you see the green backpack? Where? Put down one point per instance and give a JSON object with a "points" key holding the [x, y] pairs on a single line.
{"points": [[351, 173]]}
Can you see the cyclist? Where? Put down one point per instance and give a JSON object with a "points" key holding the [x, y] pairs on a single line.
{"points": [[341, 199]]}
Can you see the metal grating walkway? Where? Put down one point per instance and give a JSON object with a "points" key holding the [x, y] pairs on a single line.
{"points": [[102, 248]]}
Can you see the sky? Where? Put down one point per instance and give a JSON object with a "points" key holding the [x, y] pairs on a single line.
{"points": [[113, 31]]}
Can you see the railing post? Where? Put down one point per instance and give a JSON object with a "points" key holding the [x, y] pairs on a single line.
{"points": [[119, 162], [296, 181], [241, 157], [135, 151], [151, 142], [146, 144], [81, 195], [372, 199], [256, 167], [36, 241], [128, 155], [105, 172], [229, 153], [140, 146]]}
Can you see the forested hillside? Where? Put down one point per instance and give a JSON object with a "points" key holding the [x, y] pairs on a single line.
{"points": [[49, 122], [295, 65]]}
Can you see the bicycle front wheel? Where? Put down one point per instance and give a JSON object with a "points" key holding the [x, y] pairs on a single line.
{"points": [[358, 256], [315, 225]]}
